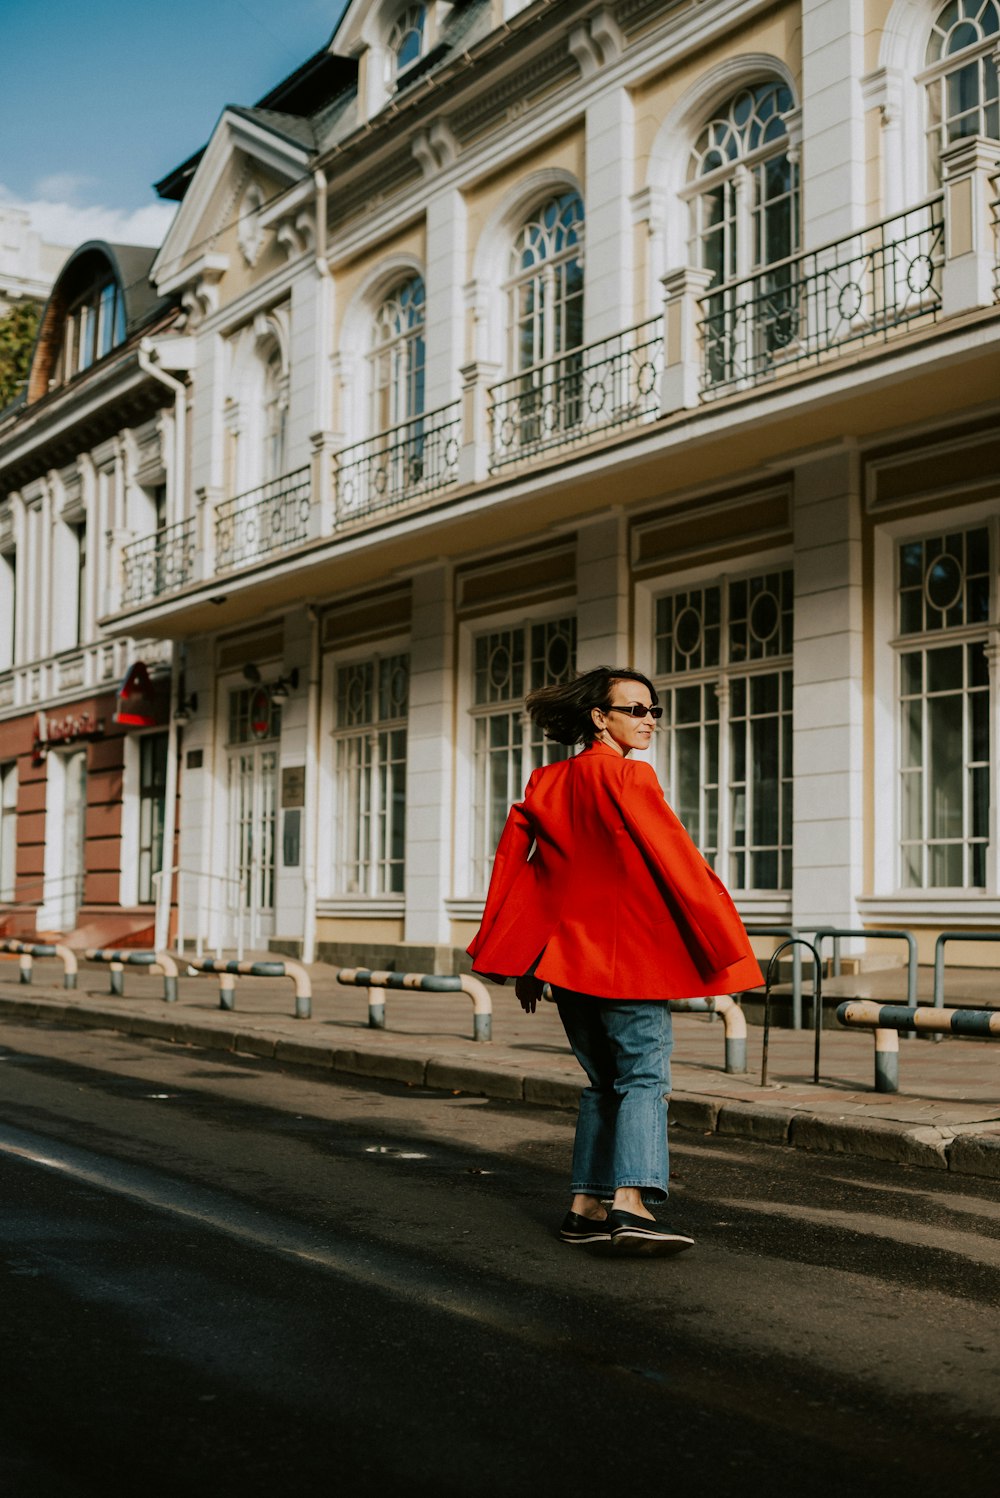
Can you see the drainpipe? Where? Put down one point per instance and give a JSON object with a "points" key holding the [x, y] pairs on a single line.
{"points": [[147, 357], [149, 366], [165, 888], [311, 790]]}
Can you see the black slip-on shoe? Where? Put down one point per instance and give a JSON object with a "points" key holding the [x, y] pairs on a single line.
{"points": [[577, 1229], [640, 1237]]}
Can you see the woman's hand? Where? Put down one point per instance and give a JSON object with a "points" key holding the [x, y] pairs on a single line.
{"points": [[529, 991]]}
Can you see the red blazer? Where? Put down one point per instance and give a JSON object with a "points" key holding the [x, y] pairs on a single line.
{"points": [[594, 871]]}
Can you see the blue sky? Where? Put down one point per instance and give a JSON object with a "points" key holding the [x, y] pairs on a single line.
{"points": [[98, 101]]}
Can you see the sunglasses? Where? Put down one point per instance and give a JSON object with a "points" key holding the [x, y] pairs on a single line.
{"points": [[636, 710]]}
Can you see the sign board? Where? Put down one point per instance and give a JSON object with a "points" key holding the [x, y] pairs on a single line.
{"points": [[260, 713], [293, 785]]}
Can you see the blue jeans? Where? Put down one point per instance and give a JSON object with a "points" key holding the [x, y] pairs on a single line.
{"points": [[621, 1132]]}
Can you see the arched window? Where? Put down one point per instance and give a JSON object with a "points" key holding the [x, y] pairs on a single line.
{"points": [[961, 77], [743, 196], [545, 284], [397, 356], [743, 189], [275, 417], [407, 40]]}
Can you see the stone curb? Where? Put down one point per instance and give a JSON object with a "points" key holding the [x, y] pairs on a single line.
{"points": [[972, 1151]]}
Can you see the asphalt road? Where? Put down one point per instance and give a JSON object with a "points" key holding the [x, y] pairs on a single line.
{"points": [[227, 1279]]}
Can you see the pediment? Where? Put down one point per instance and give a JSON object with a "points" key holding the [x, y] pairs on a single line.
{"points": [[248, 147]]}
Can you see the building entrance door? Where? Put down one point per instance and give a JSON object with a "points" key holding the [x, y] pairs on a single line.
{"points": [[252, 792]]}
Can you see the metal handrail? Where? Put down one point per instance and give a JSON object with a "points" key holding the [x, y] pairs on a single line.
{"points": [[385, 471], [791, 932], [939, 946], [272, 517], [884, 934], [183, 873], [596, 388], [817, 1003]]}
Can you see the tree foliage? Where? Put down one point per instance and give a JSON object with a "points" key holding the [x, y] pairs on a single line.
{"points": [[17, 339]]}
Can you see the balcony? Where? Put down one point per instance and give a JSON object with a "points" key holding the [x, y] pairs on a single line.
{"points": [[803, 310], [586, 393], [159, 563], [387, 472], [263, 521]]}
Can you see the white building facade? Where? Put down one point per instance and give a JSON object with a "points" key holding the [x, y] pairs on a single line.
{"points": [[522, 340]]}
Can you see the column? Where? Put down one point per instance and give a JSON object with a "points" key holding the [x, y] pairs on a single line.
{"points": [[682, 342], [430, 759], [970, 169], [602, 588], [609, 298], [833, 184], [446, 273], [828, 693]]}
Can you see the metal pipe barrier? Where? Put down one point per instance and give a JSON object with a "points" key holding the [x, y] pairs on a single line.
{"points": [[821, 933], [734, 1020], [220, 913], [939, 947], [817, 1003], [229, 971], [792, 933], [887, 1020], [118, 959], [29, 950], [377, 982]]}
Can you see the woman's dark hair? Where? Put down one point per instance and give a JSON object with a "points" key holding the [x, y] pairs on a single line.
{"points": [[564, 712]]}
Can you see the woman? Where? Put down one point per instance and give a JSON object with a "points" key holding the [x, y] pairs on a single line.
{"points": [[598, 891]]}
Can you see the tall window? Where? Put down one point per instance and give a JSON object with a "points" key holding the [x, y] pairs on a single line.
{"points": [[508, 663], [724, 675], [545, 285], [961, 77], [152, 802], [407, 40], [8, 829], [8, 606], [397, 356], [79, 533], [944, 706], [372, 700], [275, 417], [743, 195]]}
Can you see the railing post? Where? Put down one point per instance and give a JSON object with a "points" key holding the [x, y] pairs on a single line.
{"points": [[324, 444], [206, 499], [474, 459], [682, 353], [969, 168]]}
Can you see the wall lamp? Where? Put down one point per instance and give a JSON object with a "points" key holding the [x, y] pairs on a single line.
{"points": [[186, 709], [284, 686]]}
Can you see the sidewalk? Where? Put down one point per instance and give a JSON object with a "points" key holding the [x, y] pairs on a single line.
{"points": [[946, 1115]]}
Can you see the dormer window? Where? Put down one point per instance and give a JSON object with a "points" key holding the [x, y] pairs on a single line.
{"points": [[407, 41], [94, 325]]}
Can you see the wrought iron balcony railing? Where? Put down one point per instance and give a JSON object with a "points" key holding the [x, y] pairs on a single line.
{"points": [[158, 563], [586, 392], [270, 518], [387, 471], [796, 312]]}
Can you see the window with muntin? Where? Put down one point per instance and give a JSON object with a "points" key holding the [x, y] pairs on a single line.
{"points": [[508, 663], [724, 750], [961, 77], [946, 765], [397, 356], [372, 706]]}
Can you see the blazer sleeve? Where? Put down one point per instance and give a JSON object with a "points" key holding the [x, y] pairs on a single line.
{"points": [[512, 854], [696, 894]]}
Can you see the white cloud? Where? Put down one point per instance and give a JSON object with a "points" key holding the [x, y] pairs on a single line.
{"points": [[61, 222]]}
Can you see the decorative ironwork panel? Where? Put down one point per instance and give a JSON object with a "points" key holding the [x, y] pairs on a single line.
{"points": [[158, 563], [270, 518], [390, 470], [797, 312], [580, 395]]}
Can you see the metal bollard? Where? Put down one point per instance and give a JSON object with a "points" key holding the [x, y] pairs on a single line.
{"points": [[376, 1008], [886, 1061], [227, 991], [117, 971], [25, 965]]}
